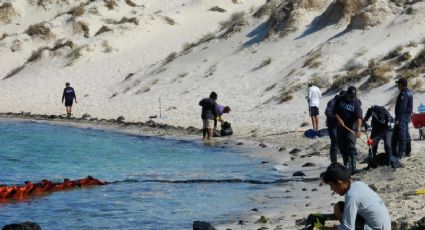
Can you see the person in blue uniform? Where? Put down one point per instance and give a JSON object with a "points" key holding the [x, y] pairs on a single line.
{"points": [[403, 112], [332, 125], [349, 115], [68, 97]]}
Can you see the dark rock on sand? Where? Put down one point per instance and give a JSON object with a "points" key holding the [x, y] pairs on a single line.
{"points": [[120, 119], [316, 153], [239, 143], [308, 164], [52, 117], [304, 189], [265, 162], [86, 116], [191, 129], [262, 145], [241, 222], [298, 173], [22, 226], [201, 225], [314, 190], [254, 209], [304, 124], [262, 220], [292, 158], [282, 148], [295, 151], [300, 221]]}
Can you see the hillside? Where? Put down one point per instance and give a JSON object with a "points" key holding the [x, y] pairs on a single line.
{"points": [[121, 56]]}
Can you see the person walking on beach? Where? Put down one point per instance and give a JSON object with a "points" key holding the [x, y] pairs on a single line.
{"points": [[208, 115], [220, 110], [362, 206], [313, 97], [403, 112], [349, 115], [382, 129], [68, 96], [332, 125]]}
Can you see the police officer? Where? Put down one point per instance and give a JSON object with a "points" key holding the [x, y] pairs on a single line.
{"points": [[403, 113], [382, 129], [332, 125], [349, 115]]}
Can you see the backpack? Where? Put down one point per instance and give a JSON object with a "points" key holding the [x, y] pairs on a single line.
{"points": [[226, 129]]}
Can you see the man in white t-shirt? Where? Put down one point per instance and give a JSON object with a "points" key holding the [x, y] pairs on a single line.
{"points": [[313, 97]]}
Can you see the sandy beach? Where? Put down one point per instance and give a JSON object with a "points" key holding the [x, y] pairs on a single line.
{"points": [[286, 204]]}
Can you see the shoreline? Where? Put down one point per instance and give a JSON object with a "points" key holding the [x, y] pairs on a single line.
{"points": [[283, 205]]}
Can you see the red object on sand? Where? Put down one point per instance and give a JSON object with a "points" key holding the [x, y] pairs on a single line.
{"points": [[418, 120], [370, 141]]}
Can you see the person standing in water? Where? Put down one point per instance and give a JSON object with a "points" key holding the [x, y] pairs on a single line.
{"points": [[68, 96], [208, 115]]}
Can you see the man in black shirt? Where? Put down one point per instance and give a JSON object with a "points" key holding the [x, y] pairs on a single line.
{"points": [[382, 129], [349, 115], [68, 96], [208, 115]]}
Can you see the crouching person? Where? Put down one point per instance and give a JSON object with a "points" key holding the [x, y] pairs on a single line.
{"points": [[362, 206]]}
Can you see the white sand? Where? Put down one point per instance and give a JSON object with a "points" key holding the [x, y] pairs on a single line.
{"points": [[99, 73]]}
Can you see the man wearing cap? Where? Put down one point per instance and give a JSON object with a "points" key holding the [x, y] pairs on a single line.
{"points": [[68, 96], [403, 112], [349, 115], [332, 125], [313, 98]]}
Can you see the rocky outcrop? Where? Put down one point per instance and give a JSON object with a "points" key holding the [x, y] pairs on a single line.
{"points": [[285, 16], [370, 16]]}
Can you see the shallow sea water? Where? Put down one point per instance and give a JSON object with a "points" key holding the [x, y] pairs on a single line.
{"points": [[34, 151]]}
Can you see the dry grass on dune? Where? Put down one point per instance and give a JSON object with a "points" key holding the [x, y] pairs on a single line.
{"points": [[7, 12], [40, 30], [102, 30], [233, 24]]}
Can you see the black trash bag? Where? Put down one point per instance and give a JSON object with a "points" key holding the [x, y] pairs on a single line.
{"points": [[226, 129]]}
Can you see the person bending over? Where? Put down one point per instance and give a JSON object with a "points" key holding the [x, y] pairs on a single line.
{"points": [[362, 206]]}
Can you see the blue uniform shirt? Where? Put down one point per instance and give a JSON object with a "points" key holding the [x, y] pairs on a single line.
{"points": [[404, 106], [69, 93]]}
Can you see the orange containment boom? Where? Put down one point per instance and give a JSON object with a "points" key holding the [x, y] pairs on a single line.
{"points": [[45, 187]]}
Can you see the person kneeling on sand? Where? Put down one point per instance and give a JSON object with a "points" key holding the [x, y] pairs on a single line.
{"points": [[208, 115], [362, 206]]}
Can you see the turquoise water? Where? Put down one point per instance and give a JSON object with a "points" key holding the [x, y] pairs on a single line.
{"points": [[33, 151]]}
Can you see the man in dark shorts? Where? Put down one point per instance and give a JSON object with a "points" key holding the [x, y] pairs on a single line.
{"points": [[313, 97], [208, 115], [68, 96]]}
